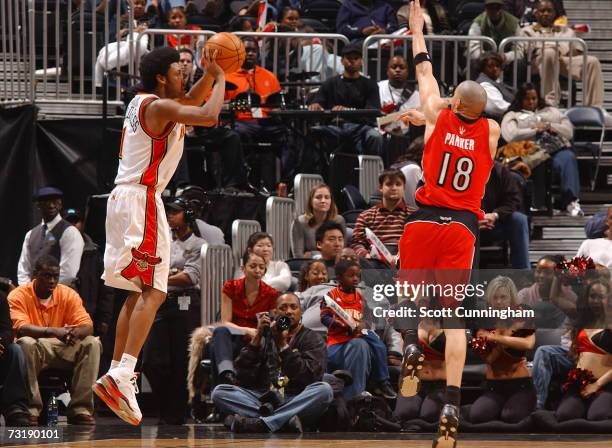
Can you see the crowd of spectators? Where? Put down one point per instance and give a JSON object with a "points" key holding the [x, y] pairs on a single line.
{"points": [[46, 322]]}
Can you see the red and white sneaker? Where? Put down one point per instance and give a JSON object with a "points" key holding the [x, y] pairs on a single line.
{"points": [[118, 390]]}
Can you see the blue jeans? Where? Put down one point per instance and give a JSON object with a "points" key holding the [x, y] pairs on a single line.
{"points": [[515, 229], [310, 404], [366, 139], [565, 165], [548, 361], [364, 357]]}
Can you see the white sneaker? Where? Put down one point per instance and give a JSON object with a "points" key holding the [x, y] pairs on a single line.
{"points": [[573, 209], [118, 390]]}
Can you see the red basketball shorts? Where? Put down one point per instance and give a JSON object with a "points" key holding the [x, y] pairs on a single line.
{"points": [[437, 248]]}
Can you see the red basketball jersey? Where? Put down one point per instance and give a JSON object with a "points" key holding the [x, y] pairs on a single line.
{"points": [[456, 164]]}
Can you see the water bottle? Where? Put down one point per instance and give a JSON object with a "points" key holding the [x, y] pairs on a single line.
{"points": [[52, 410]]}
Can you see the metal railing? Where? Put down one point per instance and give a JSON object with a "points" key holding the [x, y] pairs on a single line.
{"points": [[242, 229], [291, 48], [369, 169], [302, 184], [524, 49], [16, 82], [279, 217], [217, 266], [443, 58]]}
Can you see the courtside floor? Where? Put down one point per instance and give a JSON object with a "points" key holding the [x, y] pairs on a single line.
{"points": [[109, 433]]}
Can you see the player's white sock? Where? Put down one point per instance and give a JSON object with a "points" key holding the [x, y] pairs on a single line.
{"points": [[128, 362], [114, 364]]}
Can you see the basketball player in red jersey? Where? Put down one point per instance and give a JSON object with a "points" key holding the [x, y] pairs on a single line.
{"points": [[439, 238], [137, 252]]}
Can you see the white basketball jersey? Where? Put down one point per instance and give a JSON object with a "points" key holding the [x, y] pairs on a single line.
{"points": [[144, 157]]}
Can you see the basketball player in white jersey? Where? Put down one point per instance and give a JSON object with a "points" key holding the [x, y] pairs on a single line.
{"points": [[137, 253]]}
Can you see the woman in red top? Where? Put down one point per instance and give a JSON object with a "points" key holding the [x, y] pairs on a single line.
{"points": [[509, 392], [178, 20], [428, 402], [592, 348], [241, 301]]}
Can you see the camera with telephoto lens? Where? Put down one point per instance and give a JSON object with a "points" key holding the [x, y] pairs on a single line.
{"points": [[283, 323]]}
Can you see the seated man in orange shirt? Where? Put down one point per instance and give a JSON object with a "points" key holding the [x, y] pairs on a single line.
{"points": [[255, 125], [55, 331]]}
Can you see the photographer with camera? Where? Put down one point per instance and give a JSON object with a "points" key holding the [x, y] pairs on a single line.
{"points": [[279, 373]]}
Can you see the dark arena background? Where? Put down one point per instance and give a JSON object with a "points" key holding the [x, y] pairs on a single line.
{"points": [[301, 141]]}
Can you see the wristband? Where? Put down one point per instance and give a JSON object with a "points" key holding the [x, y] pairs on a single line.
{"points": [[421, 57]]}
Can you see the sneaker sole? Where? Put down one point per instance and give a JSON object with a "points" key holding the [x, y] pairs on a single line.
{"points": [[447, 433], [410, 383], [115, 400]]}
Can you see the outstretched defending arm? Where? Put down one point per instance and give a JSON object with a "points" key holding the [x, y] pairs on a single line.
{"points": [[431, 103]]}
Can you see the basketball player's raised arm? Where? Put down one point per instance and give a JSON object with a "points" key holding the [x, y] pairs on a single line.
{"points": [[429, 91]]}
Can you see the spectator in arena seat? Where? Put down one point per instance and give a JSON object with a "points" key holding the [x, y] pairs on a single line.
{"points": [[54, 236], [13, 390], [320, 207], [55, 331], [278, 274], [525, 11], [241, 300], [318, 56], [163, 7], [552, 305], [355, 349], [495, 23], [351, 90], [529, 118], [499, 94], [503, 219], [597, 225], [300, 355], [558, 55], [255, 124], [386, 220], [329, 238], [177, 20], [395, 94], [195, 196], [509, 392], [117, 53], [358, 19], [599, 249], [164, 360], [312, 273], [436, 17]]}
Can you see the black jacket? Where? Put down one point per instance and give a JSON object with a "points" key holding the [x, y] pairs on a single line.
{"points": [[6, 325], [503, 193], [304, 363]]}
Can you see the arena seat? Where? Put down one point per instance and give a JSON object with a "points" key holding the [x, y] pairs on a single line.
{"points": [[279, 216], [217, 267], [370, 168], [354, 199], [241, 230], [588, 121], [302, 184]]}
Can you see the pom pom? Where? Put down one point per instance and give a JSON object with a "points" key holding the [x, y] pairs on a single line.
{"points": [[578, 378], [573, 271]]}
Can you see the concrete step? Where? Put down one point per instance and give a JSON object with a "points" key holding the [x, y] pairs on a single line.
{"points": [[591, 209], [559, 221], [551, 233], [558, 245]]}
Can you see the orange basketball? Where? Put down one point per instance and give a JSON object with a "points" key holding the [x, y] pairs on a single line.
{"points": [[230, 51]]}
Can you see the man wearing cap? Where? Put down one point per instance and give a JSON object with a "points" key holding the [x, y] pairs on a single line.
{"points": [[495, 23], [53, 236], [351, 90], [164, 359]]}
